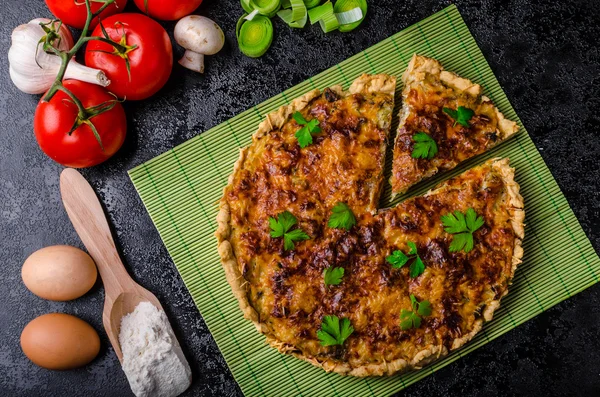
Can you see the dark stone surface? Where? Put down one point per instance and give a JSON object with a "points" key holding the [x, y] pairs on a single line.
{"points": [[546, 56]]}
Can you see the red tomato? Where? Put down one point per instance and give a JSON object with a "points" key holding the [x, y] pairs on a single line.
{"points": [[150, 62], [74, 12], [167, 10], [54, 119]]}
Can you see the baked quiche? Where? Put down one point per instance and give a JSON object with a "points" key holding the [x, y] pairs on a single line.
{"points": [[444, 120], [330, 279]]}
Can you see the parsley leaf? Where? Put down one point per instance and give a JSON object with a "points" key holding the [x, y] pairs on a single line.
{"points": [[413, 248], [424, 308], [417, 267], [412, 318], [399, 259], [304, 134], [332, 332], [462, 227], [281, 226], [341, 217], [461, 116], [294, 235], [409, 320], [333, 275], [425, 146], [299, 118]]}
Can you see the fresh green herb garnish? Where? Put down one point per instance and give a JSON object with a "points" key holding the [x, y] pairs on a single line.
{"points": [[333, 332], [412, 319], [399, 259], [304, 134], [462, 227], [281, 226], [425, 147], [461, 116], [333, 275], [341, 217]]}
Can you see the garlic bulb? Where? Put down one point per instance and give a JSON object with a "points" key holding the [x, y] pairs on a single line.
{"points": [[37, 77]]}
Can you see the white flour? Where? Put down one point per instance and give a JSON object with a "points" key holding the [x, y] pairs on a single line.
{"points": [[152, 358]]}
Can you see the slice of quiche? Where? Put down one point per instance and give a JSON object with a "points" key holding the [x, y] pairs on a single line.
{"points": [[444, 120], [332, 281]]}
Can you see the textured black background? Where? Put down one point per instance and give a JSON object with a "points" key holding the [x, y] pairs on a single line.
{"points": [[546, 56]]}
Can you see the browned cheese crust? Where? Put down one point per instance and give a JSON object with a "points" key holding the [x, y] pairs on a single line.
{"points": [[282, 292], [428, 89]]}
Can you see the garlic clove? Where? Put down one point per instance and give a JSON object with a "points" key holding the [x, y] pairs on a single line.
{"points": [[27, 84]]}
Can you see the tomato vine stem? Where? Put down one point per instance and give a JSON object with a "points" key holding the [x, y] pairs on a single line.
{"points": [[84, 115], [66, 56]]}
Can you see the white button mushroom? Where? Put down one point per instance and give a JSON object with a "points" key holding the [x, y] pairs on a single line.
{"points": [[199, 36]]}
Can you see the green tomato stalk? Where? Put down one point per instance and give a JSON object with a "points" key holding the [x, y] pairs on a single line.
{"points": [[51, 28]]}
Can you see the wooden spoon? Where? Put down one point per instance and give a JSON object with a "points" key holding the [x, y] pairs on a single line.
{"points": [[122, 294]]}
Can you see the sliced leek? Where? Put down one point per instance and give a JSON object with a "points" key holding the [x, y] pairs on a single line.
{"points": [[351, 16], [317, 13], [247, 6], [251, 16], [255, 36], [311, 3], [325, 16], [329, 22], [254, 30], [296, 16], [342, 6], [266, 7]]}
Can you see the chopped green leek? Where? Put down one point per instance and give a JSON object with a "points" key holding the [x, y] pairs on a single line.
{"points": [[247, 6], [348, 17], [251, 16], [296, 16], [255, 36], [329, 22], [254, 30], [325, 16], [311, 3], [348, 5], [317, 13], [265, 7]]}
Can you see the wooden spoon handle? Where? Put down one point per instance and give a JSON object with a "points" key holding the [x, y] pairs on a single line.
{"points": [[86, 214]]}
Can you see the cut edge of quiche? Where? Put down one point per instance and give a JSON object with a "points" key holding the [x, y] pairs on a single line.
{"points": [[427, 89]]}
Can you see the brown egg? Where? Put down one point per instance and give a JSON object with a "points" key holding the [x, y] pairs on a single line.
{"points": [[59, 341], [59, 273]]}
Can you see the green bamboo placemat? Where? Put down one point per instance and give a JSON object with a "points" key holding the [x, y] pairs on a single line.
{"points": [[181, 188]]}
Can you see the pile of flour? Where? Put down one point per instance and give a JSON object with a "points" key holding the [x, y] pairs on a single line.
{"points": [[152, 358]]}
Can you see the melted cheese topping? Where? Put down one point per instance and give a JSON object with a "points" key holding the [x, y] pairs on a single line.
{"points": [[345, 163], [424, 101]]}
